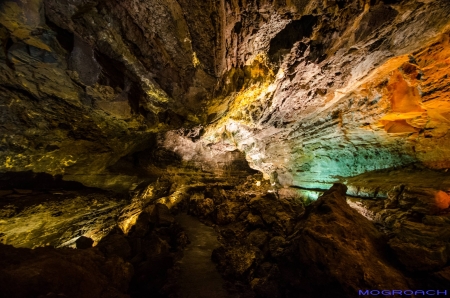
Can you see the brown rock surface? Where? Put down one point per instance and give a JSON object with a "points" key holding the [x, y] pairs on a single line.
{"points": [[66, 272], [116, 93], [317, 91], [338, 252]]}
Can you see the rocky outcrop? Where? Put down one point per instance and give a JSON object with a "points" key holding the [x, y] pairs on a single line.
{"points": [[331, 251], [114, 93], [85, 83], [58, 218], [416, 220], [339, 252], [312, 91], [48, 272], [317, 91], [137, 264]]}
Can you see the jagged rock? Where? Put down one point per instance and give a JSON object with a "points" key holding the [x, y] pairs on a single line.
{"points": [[276, 246], [201, 206], [227, 212], [154, 246], [425, 201], [418, 257], [266, 288], [162, 215], [114, 93], [237, 262], [61, 273], [280, 214], [119, 272], [337, 252], [257, 238], [421, 247], [254, 220], [142, 201], [115, 244]]}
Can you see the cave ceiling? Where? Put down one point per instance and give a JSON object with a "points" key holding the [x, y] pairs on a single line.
{"points": [[106, 92], [119, 116]]}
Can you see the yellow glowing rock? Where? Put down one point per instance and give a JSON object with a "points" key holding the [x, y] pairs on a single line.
{"points": [[404, 97]]}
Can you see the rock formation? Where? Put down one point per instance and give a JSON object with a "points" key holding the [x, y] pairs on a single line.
{"points": [[117, 115]]}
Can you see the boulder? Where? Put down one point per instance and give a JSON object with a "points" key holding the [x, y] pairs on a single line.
{"points": [[254, 221], [257, 238], [201, 206], [237, 262], [115, 244], [420, 246]]}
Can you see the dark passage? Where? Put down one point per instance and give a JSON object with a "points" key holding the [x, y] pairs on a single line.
{"points": [[198, 275]]}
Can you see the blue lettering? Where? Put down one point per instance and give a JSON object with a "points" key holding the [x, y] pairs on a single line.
{"points": [[408, 292], [419, 292], [386, 292], [397, 292], [374, 292], [439, 292], [363, 293], [431, 292]]}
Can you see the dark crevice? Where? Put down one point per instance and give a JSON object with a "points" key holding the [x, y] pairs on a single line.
{"points": [[36, 181], [293, 32], [64, 37], [113, 71]]}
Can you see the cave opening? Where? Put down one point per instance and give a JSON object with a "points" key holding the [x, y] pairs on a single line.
{"points": [[241, 149]]}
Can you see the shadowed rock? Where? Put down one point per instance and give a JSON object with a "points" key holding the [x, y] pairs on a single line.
{"points": [[337, 252]]}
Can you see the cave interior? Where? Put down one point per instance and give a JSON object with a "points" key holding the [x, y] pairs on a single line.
{"points": [[224, 148]]}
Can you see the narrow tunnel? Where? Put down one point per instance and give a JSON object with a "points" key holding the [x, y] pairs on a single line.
{"points": [[239, 149]]}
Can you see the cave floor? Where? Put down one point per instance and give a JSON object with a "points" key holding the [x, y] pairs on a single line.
{"points": [[199, 277]]}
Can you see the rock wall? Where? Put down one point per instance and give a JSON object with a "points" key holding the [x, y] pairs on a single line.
{"points": [[309, 90], [84, 83], [317, 90]]}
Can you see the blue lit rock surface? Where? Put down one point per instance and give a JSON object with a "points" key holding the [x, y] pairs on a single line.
{"points": [[356, 89], [314, 91]]}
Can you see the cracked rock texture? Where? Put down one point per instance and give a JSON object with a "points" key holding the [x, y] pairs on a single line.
{"points": [[85, 83], [319, 90], [310, 90]]}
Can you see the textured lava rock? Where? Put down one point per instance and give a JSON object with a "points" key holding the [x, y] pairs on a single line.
{"points": [[315, 91], [308, 90], [84, 83], [64, 272], [415, 217], [58, 217], [237, 262], [337, 252]]}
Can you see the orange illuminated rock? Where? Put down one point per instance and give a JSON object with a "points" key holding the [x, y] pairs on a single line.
{"points": [[442, 199]]}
